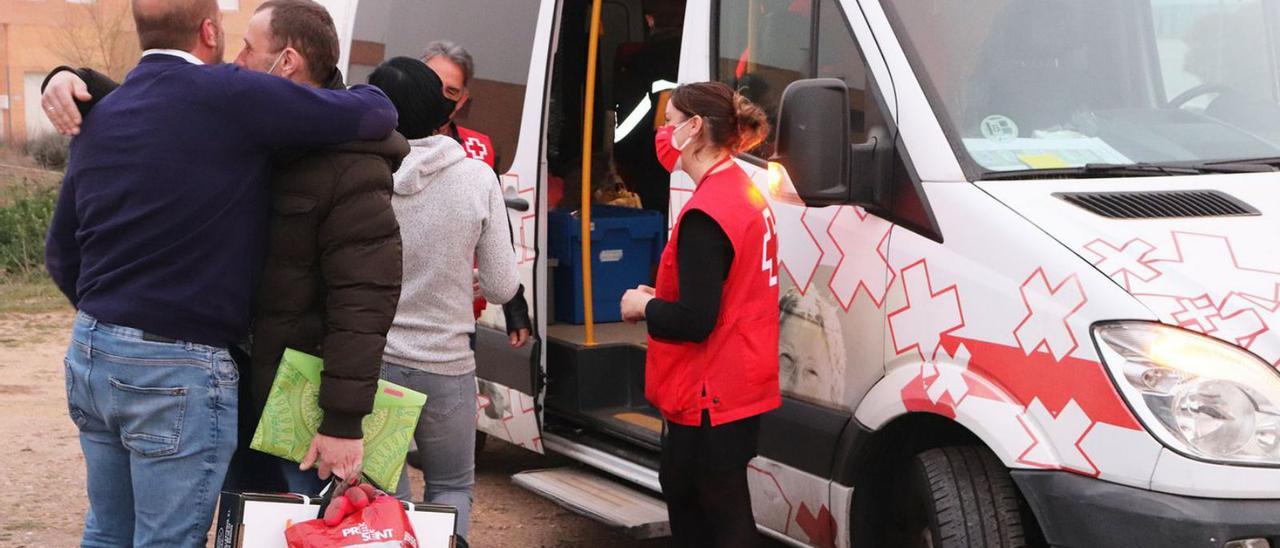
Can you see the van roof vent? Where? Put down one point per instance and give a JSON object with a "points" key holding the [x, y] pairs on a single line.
{"points": [[1159, 204]]}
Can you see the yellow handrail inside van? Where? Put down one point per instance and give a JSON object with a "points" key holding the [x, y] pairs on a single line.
{"points": [[588, 311]]}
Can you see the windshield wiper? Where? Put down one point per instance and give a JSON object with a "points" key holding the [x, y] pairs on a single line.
{"points": [[1140, 169], [1260, 165]]}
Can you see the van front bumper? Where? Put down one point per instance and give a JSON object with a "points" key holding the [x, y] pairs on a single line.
{"points": [[1076, 511]]}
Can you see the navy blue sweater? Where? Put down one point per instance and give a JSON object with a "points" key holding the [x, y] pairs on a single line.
{"points": [[161, 221]]}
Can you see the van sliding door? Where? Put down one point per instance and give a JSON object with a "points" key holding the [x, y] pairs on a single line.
{"points": [[510, 44]]}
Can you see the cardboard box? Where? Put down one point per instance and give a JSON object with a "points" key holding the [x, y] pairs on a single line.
{"points": [[254, 520]]}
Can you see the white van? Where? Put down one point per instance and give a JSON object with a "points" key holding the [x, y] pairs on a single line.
{"points": [[1030, 266]]}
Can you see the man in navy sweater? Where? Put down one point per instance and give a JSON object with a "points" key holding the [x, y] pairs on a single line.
{"points": [[158, 240]]}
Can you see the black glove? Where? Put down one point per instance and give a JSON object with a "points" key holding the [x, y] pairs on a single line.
{"points": [[516, 312]]}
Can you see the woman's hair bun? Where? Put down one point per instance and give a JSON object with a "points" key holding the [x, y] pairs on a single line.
{"points": [[733, 121], [751, 121]]}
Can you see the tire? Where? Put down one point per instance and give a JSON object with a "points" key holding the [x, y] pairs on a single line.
{"points": [[964, 497]]}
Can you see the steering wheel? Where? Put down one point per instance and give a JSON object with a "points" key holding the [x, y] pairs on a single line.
{"points": [[1203, 89]]}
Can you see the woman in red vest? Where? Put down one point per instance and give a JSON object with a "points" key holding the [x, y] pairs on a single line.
{"points": [[712, 365]]}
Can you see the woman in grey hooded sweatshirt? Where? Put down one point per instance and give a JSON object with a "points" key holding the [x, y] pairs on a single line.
{"points": [[451, 215]]}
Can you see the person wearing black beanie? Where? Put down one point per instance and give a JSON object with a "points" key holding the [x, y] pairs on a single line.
{"points": [[452, 217], [417, 93]]}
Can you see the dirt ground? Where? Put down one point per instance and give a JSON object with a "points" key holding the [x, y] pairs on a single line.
{"points": [[42, 469]]}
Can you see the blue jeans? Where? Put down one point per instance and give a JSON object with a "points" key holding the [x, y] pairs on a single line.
{"points": [[157, 425], [446, 438], [302, 482]]}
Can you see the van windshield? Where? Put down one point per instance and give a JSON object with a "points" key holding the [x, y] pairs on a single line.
{"points": [[1057, 84]]}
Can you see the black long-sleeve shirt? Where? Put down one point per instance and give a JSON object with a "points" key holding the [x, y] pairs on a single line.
{"points": [[704, 257]]}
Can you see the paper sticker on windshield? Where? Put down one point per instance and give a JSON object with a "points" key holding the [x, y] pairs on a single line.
{"points": [[1020, 154], [1044, 160], [998, 127]]}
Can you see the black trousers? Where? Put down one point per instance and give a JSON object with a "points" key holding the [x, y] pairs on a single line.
{"points": [[250, 471], [704, 480]]}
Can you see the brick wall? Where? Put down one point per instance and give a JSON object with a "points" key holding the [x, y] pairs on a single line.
{"points": [[38, 35]]}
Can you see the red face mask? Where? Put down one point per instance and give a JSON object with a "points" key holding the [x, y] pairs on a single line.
{"points": [[668, 151], [668, 155]]}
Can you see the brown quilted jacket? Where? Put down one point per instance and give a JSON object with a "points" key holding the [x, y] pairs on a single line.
{"points": [[332, 276]]}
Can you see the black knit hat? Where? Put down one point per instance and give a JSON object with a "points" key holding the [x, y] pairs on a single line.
{"points": [[417, 94]]}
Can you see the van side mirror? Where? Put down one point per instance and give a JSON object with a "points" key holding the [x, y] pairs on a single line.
{"points": [[813, 145], [813, 140], [817, 165]]}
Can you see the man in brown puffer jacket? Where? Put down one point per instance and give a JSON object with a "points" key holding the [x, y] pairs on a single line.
{"points": [[330, 286], [332, 277]]}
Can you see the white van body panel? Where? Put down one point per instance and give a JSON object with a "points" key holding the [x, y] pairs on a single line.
{"points": [[695, 66], [876, 62], [1215, 275], [1218, 276], [799, 506], [1183, 476], [992, 328], [695, 43], [344, 19]]}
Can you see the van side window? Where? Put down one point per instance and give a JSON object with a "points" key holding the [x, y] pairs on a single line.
{"points": [[764, 45], [839, 57]]}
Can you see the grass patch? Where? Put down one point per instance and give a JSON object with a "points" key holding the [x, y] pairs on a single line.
{"points": [[27, 197], [17, 170], [25, 212], [30, 295], [13, 154], [16, 184]]}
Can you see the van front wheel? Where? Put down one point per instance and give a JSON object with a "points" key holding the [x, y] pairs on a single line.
{"points": [[964, 497]]}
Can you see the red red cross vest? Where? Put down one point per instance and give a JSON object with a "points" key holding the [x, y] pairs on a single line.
{"points": [[734, 373], [478, 145]]}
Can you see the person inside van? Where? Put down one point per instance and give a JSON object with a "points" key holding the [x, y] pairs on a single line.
{"points": [[712, 365], [451, 213]]}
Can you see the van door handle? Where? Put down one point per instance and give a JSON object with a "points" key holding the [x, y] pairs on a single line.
{"points": [[513, 201]]}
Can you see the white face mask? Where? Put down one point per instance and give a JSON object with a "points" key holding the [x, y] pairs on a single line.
{"points": [[277, 61], [680, 147]]}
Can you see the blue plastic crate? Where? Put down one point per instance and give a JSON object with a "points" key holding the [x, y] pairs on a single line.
{"points": [[625, 244]]}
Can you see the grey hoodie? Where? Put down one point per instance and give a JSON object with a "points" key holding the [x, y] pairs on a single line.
{"points": [[451, 216]]}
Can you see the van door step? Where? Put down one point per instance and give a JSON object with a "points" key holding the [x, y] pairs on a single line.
{"points": [[637, 513]]}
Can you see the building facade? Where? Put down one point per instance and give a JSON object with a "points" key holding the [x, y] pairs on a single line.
{"points": [[38, 35]]}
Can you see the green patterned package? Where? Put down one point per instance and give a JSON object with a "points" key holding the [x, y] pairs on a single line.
{"points": [[292, 416]]}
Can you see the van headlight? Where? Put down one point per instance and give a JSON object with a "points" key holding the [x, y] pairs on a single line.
{"points": [[1200, 396]]}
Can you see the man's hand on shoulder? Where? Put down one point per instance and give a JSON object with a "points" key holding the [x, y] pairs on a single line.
{"points": [[330, 455], [59, 101]]}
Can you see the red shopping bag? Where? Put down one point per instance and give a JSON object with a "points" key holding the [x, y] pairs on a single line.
{"points": [[381, 524]]}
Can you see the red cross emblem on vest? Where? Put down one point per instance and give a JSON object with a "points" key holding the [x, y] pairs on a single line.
{"points": [[476, 149], [478, 146]]}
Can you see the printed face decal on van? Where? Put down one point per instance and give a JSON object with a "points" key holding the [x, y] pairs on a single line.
{"points": [[812, 350]]}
